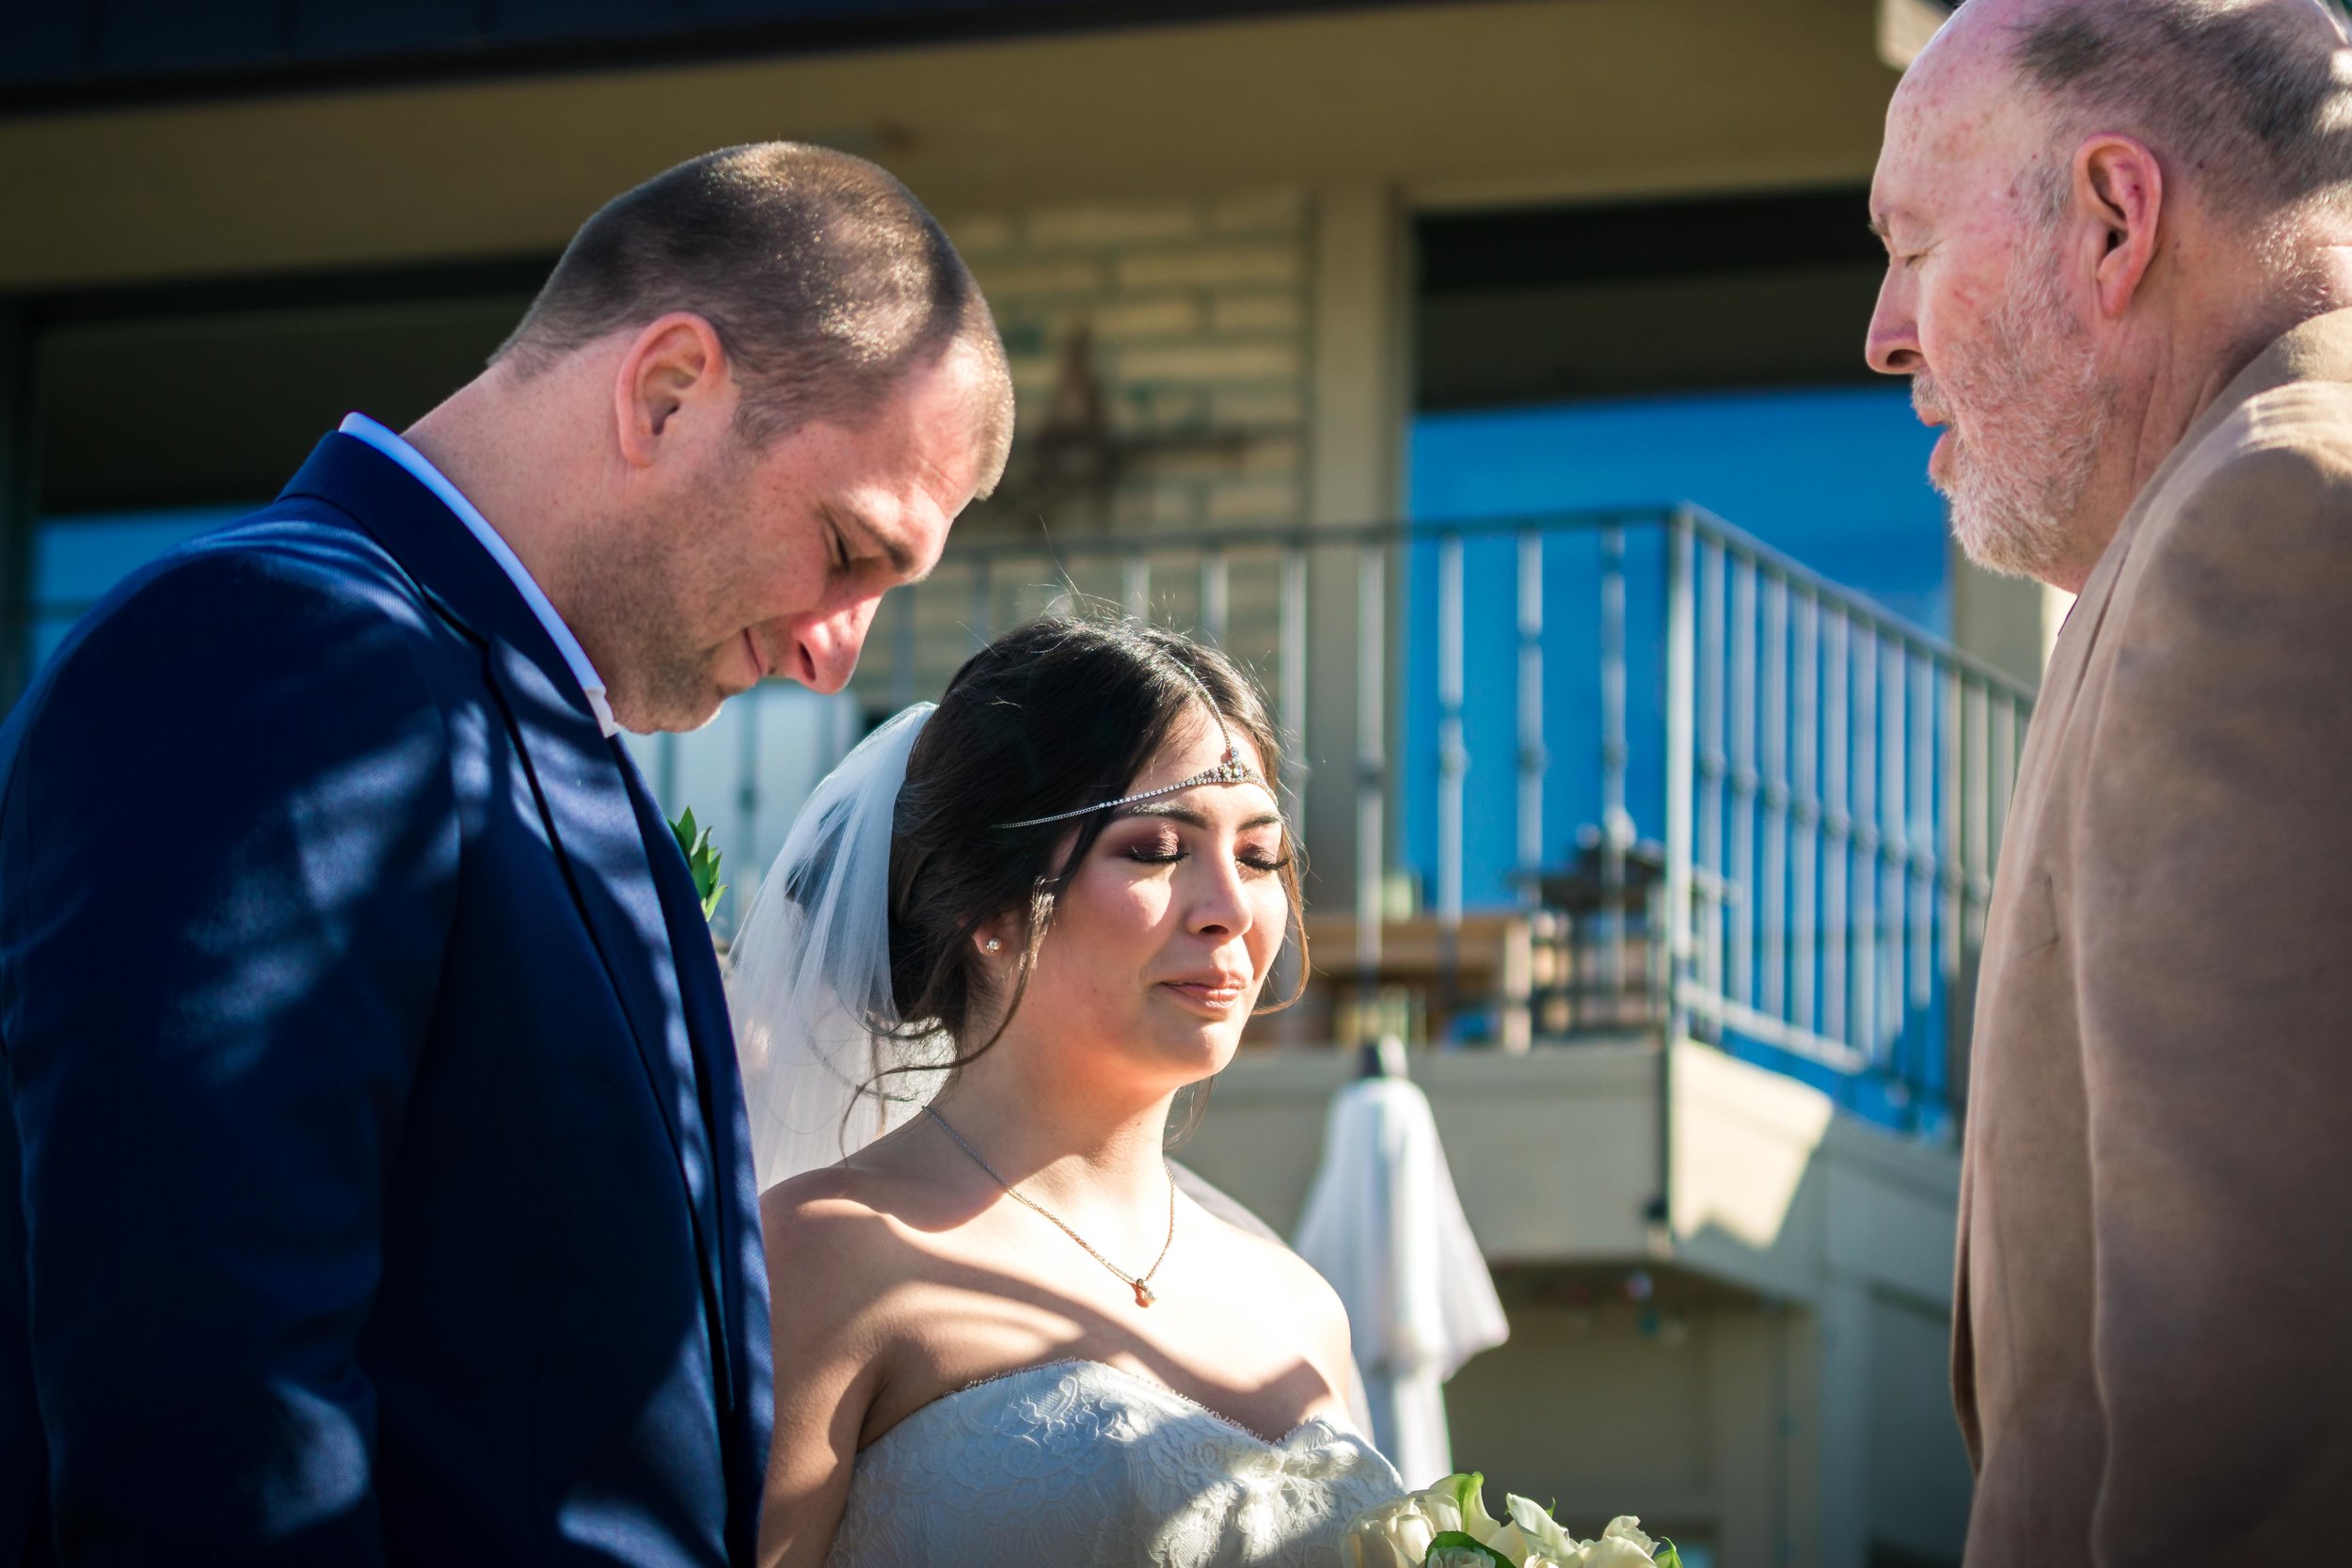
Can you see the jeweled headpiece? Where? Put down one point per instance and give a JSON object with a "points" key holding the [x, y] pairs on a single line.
{"points": [[1232, 769]]}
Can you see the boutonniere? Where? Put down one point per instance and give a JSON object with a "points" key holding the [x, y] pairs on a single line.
{"points": [[702, 859]]}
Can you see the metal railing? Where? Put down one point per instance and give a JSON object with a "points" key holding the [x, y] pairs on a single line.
{"points": [[1775, 809], [1789, 802], [1838, 784]]}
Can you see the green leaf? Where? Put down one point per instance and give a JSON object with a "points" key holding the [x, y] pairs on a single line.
{"points": [[1667, 1557], [1461, 1542], [702, 859]]}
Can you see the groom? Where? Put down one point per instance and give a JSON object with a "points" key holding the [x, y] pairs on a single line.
{"points": [[2120, 242], [373, 1181]]}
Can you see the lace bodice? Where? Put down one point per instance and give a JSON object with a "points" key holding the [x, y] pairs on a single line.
{"points": [[1081, 1465]]}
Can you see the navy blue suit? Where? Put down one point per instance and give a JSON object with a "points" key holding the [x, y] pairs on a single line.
{"points": [[374, 1182]]}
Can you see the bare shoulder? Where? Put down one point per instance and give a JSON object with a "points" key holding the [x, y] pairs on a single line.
{"points": [[1288, 1284], [832, 1252], [823, 1210]]}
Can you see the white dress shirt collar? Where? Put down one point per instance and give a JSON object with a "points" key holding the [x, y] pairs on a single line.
{"points": [[408, 457]]}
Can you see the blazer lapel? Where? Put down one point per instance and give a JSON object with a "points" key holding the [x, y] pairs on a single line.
{"points": [[611, 855], [597, 836], [745, 1371]]}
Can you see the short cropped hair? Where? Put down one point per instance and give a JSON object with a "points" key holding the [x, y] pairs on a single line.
{"points": [[2254, 105], [825, 279]]}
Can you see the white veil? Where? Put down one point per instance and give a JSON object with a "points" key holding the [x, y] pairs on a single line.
{"points": [[809, 975]]}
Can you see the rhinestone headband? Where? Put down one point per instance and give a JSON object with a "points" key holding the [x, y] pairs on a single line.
{"points": [[1232, 769]]}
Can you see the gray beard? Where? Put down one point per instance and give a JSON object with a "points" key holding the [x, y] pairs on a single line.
{"points": [[2046, 415]]}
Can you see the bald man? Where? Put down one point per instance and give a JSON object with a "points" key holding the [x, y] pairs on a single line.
{"points": [[2117, 272]]}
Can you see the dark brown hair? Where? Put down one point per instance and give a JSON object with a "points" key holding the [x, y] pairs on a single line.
{"points": [[825, 279], [1053, 716]]}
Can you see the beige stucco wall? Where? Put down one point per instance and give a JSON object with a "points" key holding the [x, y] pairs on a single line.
{"points": [[1455, 103], [1226, 206], [1316, 135], [1781, 1389]]}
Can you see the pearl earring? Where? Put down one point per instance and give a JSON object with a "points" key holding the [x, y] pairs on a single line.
{"points": [[994, 945]]}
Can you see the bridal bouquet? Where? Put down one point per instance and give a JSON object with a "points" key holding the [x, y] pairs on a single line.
{"points": [[1448, 1527]]}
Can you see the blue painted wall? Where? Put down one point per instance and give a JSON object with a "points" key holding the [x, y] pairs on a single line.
{"points": [[1835, 477]]}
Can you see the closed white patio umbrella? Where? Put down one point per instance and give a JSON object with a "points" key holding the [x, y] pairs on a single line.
{"points": [[1384, 1225]]}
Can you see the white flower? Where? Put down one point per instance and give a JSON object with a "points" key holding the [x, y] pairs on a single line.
{"points": [[1404, 1534], [1394, 1535], [1621, 1546], [1470, 1496], [1511, 1544], [1543, 1533], [1399, 1534]]}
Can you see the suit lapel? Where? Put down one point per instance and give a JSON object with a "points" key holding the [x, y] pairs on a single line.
{"points": [[585, 791], [742, 1275], [597, 835]]}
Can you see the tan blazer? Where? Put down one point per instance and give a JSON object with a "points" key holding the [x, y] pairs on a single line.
{"points": [[2153, 1350]]}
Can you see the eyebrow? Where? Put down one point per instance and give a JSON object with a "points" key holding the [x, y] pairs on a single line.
{"points": [[1197, 820]]}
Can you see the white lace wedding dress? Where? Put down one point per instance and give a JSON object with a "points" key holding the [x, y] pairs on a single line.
{"points": [[1082, 1464]]}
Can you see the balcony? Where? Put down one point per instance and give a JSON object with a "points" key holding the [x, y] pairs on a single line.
{"points": [[1607, 777], [1675, 856]]}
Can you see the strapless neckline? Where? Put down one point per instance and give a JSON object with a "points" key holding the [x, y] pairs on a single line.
{"points": [[1132, 1379], [1078, 1463]]}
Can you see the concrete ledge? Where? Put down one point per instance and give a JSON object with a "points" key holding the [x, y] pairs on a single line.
{"points": [[1555, 1155]]}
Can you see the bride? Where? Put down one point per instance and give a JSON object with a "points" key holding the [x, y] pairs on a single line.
{"points": [[1003, 1334]]}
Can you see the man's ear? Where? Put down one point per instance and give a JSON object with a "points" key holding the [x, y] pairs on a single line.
{"points": [[675, 365], [2119, 186]]}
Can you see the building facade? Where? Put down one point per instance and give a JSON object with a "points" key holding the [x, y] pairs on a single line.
{"points": [[1322, 316]]}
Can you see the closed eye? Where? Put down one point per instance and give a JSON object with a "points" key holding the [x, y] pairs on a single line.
{"points": [[1257, 857], [1170, 850], [1156, 851]]}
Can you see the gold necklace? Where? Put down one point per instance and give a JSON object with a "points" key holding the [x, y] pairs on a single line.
{"points": [[1139, 1283]]}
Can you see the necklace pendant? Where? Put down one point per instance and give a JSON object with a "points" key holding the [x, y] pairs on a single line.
{"points": [[1144, 1293]]}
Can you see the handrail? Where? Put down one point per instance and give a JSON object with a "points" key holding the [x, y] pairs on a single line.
{"points": [[1309, 536], [1834, 778], [1828, 782]]}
